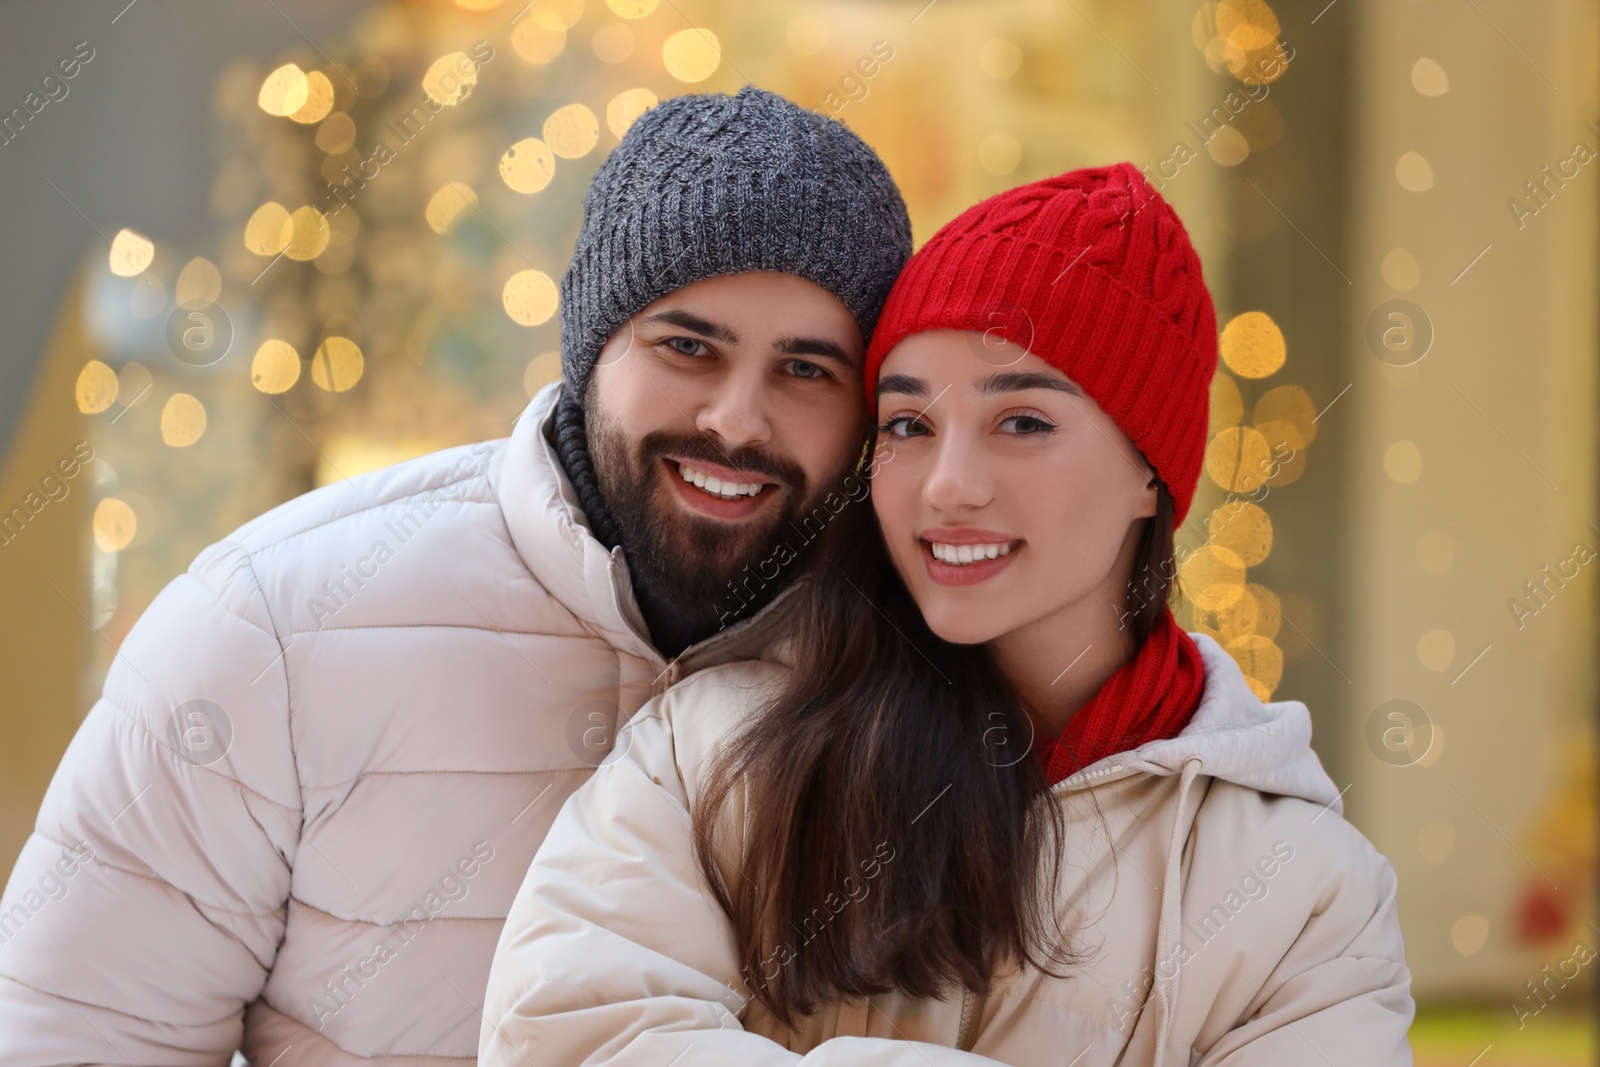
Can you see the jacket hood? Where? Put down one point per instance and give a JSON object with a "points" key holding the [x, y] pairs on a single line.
{"points": [[1262, 745]]}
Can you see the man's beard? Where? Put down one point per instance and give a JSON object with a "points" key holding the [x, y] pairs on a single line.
{"points": [[682, 563]]}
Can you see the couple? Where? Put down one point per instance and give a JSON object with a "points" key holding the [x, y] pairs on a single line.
{"points": [[924, 775]]}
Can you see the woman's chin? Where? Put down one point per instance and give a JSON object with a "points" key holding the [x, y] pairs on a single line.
{"points": [[961, 624]]}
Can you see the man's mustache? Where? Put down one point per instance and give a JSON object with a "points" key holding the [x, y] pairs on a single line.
{"points": [[660, 443]]}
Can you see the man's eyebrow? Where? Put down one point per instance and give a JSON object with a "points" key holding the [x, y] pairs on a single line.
{"points": [[815, 346], [1004, 382], [694, 324]]}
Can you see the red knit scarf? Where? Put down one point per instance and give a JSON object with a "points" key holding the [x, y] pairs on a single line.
{"points": [[1150, 697]]}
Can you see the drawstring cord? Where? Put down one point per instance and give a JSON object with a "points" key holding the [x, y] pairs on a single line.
{"points": [[1166, 991]]}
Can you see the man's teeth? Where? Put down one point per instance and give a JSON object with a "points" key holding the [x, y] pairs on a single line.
{"points": [[717, 487], [959, 554]]}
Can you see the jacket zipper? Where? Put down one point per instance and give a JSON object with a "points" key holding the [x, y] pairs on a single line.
{"points": [[969, 1018], [672, 670]]}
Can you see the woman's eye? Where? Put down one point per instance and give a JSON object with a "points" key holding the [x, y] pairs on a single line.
{"points": [[1024, 425], [906, 423]]}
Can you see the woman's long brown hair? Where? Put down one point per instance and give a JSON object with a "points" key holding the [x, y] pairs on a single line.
{"points": [[891, 841]]}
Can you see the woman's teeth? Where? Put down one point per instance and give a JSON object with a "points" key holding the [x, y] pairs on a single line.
{"points": [[959, 554], [717, 487]]}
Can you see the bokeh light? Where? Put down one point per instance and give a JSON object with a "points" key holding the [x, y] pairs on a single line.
{"points": [[131, 253], [692, 55], [337, 364], [183, 420], [1252, 346], [528, 165], [530, 297]]}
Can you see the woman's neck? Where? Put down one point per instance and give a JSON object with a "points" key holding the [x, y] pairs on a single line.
{"points": [[1059, 663]]}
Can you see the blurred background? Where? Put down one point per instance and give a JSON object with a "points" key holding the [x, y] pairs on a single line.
{"points": [[253, 248]]}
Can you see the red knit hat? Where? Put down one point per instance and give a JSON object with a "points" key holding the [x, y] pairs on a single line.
{"points": [[1093, 272]]}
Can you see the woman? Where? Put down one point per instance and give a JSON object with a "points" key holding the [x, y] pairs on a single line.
{"points": [[990, 804]]}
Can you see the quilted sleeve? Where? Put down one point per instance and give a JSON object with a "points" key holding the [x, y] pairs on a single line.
{"points": [[146, 909]]}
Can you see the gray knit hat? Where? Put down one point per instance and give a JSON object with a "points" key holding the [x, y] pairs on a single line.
{"points": [[711, 184]]}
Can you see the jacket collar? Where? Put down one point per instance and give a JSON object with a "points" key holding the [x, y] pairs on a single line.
{"points": [[552, 535]]}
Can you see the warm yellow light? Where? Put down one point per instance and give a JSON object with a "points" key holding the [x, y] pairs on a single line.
{"points": [[1400, 269], [97, 387], [807, 34], [528, 165], [999, 58], [1227, 406], [1402, 461], [448, 204], [1242, 528], [319, 99], [114, 524], [1212, 578], [337, 133], [613, 43], [540, 37], [1414, 173], [999, 153], [337, 364], [275, 368], [1250, 25], [627, 106], [1228, 147], [269, 229], [1429, 78], [571, 131], [530, 297], [632, 9], [309, 234], [1259, 661], [1252, 345], [131, 253], [568, 11], [198, 282], [691, 55], [1268, 611], [285, 91], [1290, 404], [1238, 459], [1436, 649], [451, 78], [183, 420]]}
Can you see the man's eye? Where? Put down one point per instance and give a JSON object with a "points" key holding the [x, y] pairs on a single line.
{"points": [[686, 346], [806, 369]]}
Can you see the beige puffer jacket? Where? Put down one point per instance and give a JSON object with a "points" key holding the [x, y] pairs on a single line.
{"points": [[323, 761], [1239, 919]]}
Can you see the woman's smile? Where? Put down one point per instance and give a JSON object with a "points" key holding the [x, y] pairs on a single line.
{"points": [[964, 555]]}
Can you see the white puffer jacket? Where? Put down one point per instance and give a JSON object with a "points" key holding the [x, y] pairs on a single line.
{"points": [[1238, 919], [324, 757]]}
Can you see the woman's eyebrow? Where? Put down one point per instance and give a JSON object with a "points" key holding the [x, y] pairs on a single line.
{"points": [[902, 383], [1010, 381], [1004, 382]]}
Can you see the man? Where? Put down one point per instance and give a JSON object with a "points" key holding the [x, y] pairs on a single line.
{"points": [[326, 754]]}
